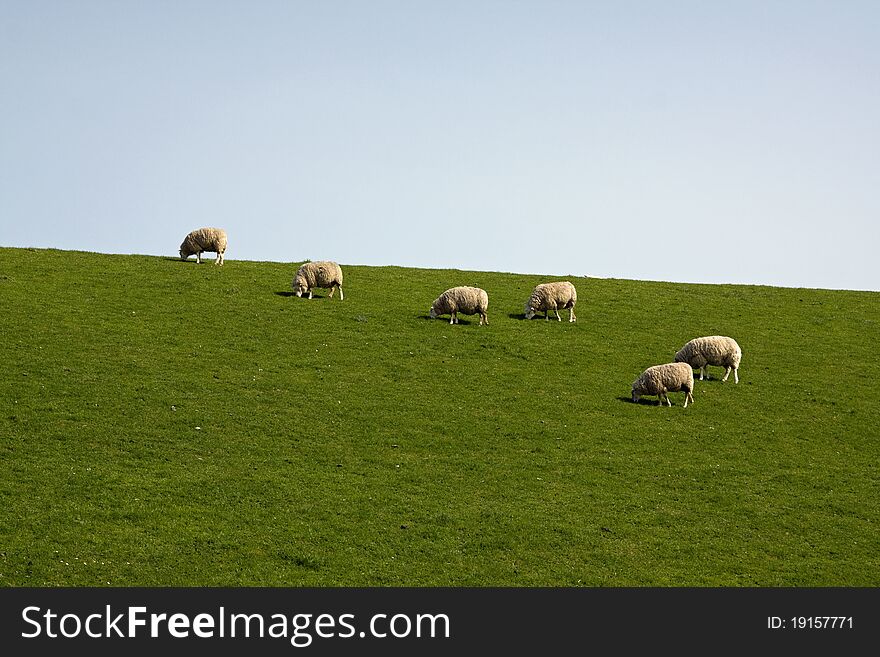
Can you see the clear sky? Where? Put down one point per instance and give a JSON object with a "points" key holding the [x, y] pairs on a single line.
{"points": [[686, 141]]}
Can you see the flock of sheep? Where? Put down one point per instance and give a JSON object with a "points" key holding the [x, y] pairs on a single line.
{"points": [[658, 380], [678, 376]]}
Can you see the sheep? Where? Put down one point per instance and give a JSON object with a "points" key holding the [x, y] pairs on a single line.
{"points": [[660, 379], [323, 273], [712, 350], [204, 239], [467, 300], [552, 296]]}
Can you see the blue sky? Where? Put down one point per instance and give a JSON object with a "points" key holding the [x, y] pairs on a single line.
{"points": [[684, 141]]}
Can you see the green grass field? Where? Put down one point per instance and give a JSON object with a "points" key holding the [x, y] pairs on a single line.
{"points": [[168, 424]]}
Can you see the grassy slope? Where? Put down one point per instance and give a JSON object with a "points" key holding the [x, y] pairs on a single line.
{"points": [[171, 424]]}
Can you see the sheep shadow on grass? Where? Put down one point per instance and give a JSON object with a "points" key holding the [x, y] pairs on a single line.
{"points": [[191, 261], [445, 320], [642, 401], [552, 318], [713, 379], [291, 293]]}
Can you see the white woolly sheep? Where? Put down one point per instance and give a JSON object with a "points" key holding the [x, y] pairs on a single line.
{"points": [[712, 350], [204, 239], [323, 273], [466, 300], [552, 296], [660, 379]]}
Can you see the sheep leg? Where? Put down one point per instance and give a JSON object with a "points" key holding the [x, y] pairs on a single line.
{"points": [[726, 374], [558, 318], [484, 319], [341, 295], [452, 318], [198, 257], [706, 368], [332, 290], [310, 293], [571, 317], [735, 375]]}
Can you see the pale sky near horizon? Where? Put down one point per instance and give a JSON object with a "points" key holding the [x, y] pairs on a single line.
{"points": [[713, 142]]}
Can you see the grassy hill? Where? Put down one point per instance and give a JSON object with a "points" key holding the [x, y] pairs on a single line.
{"points": [[170, 424]]}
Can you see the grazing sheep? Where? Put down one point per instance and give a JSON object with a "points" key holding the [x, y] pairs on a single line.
{"points": [[204, 239], [712, 350], [467, 300], [323, 273], [552, 296], [660, 379]]}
